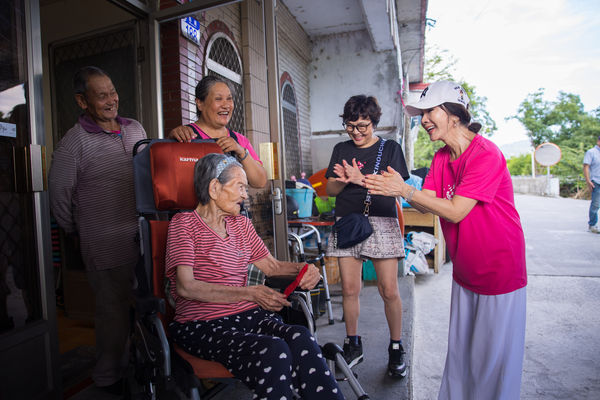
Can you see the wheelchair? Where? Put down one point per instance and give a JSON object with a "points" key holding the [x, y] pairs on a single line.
{"points": [[163, 176]]}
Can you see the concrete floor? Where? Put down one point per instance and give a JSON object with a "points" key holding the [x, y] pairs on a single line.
{"points": [[562, 348]]}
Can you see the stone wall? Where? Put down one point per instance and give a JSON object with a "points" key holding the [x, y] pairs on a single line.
{"points": [[540, 185]]}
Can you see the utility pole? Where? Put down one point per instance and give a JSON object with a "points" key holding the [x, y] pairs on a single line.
{"points": [[409, 140]]}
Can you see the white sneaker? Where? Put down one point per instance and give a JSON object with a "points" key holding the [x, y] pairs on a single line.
{"points": [[594, 229]]}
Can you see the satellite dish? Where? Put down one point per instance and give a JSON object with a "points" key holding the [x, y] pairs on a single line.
{"points": [[547, 154]]}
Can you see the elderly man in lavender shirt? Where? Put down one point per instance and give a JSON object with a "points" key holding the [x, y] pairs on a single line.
{"points": [[92, 198]]}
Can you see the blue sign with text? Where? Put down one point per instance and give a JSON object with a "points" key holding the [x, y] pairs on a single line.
{"points": [[190, 28]]}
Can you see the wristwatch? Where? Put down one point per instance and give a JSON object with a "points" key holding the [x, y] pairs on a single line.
{"points": [[244, 157]]}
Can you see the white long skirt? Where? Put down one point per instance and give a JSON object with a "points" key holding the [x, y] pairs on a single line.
{"points": [[486, 341]]}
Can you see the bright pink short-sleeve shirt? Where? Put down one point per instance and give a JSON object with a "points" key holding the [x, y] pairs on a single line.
{"points": [[241, 139], [193, 244], [487, 247]]}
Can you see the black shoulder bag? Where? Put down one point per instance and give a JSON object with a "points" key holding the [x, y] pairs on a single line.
{"points": [[354, 228]]}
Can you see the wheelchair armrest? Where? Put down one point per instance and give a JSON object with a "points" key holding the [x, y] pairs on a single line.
{"points": [[279, 282], [149, 304]]}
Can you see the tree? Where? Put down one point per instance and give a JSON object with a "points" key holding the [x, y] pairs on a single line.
{"points": [[439, 65], [519, 165], [565, 123], [425, 149]]}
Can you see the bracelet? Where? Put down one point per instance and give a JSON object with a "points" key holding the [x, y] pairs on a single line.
{"points": [[410, 195], [245, 155]]}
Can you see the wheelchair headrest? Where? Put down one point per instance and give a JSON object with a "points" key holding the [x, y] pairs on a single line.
{"points": [[164, 174]]}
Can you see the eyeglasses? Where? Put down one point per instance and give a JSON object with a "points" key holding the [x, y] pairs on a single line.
{"points": [[362, 128]]}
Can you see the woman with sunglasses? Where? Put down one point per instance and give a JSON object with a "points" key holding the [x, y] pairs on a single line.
{"points": [[350, 162]]}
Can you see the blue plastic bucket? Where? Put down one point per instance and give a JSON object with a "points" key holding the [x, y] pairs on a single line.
{"points": [[304, 198]]}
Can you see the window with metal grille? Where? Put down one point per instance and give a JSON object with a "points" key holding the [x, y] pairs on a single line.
{"points": [[114, 52], [293, 152], [224, 61]]}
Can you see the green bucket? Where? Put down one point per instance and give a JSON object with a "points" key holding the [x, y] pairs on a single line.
{"points": [[325, 205], [369, 271]]}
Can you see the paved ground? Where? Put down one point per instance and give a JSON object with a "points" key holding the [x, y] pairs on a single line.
{"points": [[562, 355], [372, 326]]}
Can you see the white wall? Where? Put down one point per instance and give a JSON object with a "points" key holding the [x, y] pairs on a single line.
{"points": [[344, 65], [540, 185]]}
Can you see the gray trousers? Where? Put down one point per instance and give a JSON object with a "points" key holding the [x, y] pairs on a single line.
{"points": [[112, 290], [486, 343]]}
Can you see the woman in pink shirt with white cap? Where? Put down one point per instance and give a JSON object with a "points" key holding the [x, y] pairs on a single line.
{"points": [[470, 188]]}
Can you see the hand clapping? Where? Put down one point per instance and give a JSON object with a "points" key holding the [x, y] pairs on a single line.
{"points": [[388, 183], [349, 173]]}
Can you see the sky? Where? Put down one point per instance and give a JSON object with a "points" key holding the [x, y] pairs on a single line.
{"points": [[10, 98], [508, 49]]}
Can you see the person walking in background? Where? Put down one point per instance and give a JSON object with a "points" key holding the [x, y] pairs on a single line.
{"points": [[350, 161], [591, 172], [92, 199], [470, 188], [214, 106]]}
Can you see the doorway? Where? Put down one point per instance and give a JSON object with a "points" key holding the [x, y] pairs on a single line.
{"points": [[111, 41]]}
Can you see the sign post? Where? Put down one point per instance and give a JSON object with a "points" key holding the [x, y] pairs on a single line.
{"points": [[547, 154]]}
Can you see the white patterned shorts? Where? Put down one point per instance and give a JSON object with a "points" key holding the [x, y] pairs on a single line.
{"points": [[386, 241]]}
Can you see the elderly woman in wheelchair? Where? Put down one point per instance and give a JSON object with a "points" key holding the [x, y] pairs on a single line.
{"points": [[218, 317]]}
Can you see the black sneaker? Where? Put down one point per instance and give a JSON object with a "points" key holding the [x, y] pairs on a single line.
{"points": [[353, 354], [396, 365]]}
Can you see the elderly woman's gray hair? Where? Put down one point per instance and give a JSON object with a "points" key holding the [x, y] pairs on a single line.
{"points": [[209, 167]]}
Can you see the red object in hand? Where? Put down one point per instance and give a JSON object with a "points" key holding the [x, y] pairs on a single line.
{"points": [[294, 285]]}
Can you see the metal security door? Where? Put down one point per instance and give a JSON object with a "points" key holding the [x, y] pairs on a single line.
{"points": [[28, 343]]}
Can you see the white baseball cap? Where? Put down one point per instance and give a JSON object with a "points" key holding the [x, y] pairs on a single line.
{"points": [[439, 93]]}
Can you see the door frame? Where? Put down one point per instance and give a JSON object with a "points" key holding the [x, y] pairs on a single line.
{"points": [[46, 327]]}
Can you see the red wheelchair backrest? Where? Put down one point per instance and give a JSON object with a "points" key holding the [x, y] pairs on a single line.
{"points": [[172, 168]]}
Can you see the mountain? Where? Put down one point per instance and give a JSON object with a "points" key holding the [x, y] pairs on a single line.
{"points": [[516, 148]]}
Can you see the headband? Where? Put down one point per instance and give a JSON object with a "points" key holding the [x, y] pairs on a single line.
{"points": [[223, 164]]}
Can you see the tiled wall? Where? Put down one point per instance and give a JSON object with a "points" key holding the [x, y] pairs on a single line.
{"points": [[294, 58]]}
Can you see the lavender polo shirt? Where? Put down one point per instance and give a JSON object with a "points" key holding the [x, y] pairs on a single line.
{"points": [[592, 158], [91, 191]]}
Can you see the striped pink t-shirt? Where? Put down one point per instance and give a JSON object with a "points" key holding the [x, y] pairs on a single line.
{"points": [[193, 244]]}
